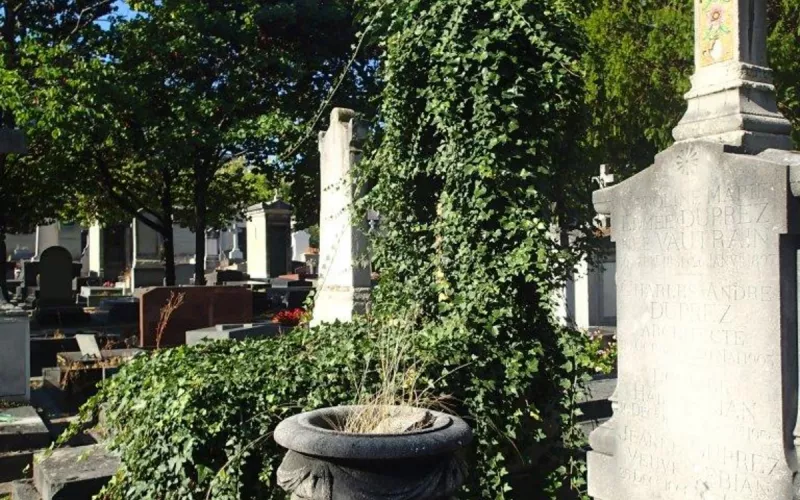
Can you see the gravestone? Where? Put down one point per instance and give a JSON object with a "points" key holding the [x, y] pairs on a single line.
{"points": [[109, 250], [203, 306], [15, 356], [235, 332], [55, 303], [55, 277], [706, 402], [147, 268], [269, 238], [344, 282]]}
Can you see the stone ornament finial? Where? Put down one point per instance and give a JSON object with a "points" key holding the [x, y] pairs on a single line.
{"points": [[732, 100]]}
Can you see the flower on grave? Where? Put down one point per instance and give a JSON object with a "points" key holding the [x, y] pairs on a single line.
{"points": [[716, 17], [289, 317]]}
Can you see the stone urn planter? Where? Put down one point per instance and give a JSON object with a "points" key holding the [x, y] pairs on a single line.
{"points": [[327, 464]]}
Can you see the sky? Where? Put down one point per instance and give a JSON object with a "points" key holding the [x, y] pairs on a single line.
{"points": [[123, 8]]}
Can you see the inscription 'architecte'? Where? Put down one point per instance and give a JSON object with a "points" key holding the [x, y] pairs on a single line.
{"points": [[699, 294]]}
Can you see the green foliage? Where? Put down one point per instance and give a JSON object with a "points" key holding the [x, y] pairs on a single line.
{"points": [[476, 180], [187, 420], [41, 45], [784, 51], [637, 65], [638, 62]]}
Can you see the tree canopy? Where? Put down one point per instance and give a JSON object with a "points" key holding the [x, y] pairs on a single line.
{"points": [[637, 63]]}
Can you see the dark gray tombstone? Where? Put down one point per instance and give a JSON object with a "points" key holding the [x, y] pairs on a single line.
{"points": [[55, 273], [56, 304]]}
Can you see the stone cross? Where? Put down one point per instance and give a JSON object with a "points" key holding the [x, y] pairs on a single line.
{"points": [[732, 99], [235, 255]]}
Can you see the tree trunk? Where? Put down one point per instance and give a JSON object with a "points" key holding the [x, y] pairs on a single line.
{"points": [[169, 256], [3, 283], [168, 232], [200, 212]]}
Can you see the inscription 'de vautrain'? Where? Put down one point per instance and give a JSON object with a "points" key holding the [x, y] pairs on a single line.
{"points": [[697, 267]]}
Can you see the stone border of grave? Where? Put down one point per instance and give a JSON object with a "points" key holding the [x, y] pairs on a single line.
{"points": [[326, 463]]}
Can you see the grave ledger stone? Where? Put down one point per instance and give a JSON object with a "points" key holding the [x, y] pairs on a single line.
{"points": [[707, 240]]}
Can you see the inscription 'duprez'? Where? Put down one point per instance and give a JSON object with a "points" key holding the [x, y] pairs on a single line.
{"points": [[697, 260]]}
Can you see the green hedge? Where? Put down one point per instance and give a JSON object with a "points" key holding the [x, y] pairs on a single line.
{"points": [[189, 419]]}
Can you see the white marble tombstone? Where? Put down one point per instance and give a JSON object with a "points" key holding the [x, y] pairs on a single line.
{"points": [[269, 244], [343, 288], [707, 397]]}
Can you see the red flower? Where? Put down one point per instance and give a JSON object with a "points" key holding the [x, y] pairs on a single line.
{"points": [[289, 317]]}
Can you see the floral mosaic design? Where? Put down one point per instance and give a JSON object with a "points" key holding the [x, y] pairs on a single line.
{"points": [[715, 25]]}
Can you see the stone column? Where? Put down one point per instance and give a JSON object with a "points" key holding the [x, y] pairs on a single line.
{"points": [[46, 237], [707, 279], [343, 288], [732, 99], [235, 255]]}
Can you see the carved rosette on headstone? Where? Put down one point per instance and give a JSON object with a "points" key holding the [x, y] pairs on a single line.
{"points": [[344, 282], [707, 308]]}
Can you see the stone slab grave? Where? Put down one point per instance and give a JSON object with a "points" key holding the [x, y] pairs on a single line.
{"points": [[44, 352], [75, 378], [22, 433], [117, 311], [96, 294], [73, 473], [203, 306], [56, 304], [15, 357], [235, 332], [344, 269], [706, 402]]}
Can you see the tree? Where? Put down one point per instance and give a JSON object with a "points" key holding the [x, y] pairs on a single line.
{"points": [[42, 42], [637, 64], [203, 83]]}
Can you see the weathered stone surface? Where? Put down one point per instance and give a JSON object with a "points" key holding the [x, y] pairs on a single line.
{"points": [[327, 464], [732, 100], [235, 332], [344, 266], [74, 473], [21, 428], [15, 360], [707, 315], [24, 490]]}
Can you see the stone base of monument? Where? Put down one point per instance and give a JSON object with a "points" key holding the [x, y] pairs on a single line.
{"points": [[72, 473], [147, 275], [340, 304], [76, 378], [24, 490], [61, 316], [235, 332], [22, 433]]}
